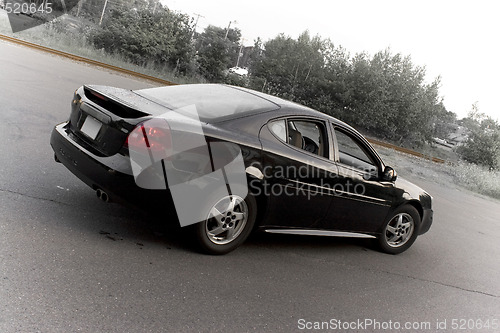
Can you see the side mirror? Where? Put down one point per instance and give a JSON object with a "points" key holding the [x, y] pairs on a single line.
{"points": [[390, 175]]}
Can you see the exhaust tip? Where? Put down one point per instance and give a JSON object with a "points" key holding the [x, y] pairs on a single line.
{"points": [[102, 195]]}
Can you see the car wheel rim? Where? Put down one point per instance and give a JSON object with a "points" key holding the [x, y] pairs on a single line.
{"points": [[226, 220], [399, 230]]}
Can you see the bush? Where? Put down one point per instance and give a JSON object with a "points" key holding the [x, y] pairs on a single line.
{"points": [[483, 144], [482, 149]]}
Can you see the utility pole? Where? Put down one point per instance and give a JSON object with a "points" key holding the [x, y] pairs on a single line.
{"points": [[239, 55], [228, 26], [239, 52], [196, 23], [79, 7], [103, 10]]}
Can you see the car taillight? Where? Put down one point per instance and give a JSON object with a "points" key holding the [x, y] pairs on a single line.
{"points": [[96, 94], [152, 137]]}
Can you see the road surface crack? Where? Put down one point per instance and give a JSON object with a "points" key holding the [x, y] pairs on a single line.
{"points": [[34, 197], [411, 277], [439, 283]]}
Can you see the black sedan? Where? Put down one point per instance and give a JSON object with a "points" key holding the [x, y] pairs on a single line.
{"points": [[228, 160]]}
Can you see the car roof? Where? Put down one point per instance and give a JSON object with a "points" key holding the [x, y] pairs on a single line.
{"points": [[289, 108], [217, 103], [292, 109]]}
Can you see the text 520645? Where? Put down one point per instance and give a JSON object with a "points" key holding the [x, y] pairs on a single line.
{"points": [[12, 7]]}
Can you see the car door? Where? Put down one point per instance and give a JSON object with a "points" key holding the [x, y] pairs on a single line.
{"points": [[296, 162], [361, 201]]}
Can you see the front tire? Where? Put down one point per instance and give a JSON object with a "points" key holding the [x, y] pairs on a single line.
{"points": [[400, 230], [228, 224]]}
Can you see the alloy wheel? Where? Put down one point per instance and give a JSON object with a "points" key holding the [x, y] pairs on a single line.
{"points": [[399, 230], [226, 219]]}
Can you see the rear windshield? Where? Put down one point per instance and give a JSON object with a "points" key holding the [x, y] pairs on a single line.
{"points": [[212, 102]]}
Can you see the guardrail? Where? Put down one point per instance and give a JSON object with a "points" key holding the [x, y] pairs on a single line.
{"points": [[406, 150], [165, 82]]}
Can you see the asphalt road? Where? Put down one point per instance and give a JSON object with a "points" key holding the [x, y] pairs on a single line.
{"points": [[70, 263]]}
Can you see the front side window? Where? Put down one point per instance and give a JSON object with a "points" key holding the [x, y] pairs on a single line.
{"points": [[352, 154]]}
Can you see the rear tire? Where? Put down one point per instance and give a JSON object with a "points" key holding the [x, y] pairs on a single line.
{"points": [[400, 230], [228, 224]]}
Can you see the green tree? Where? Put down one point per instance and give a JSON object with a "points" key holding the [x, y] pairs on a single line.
{"points": [[162, 38], [216, 53], [289, 68], [389, 97], [92, 9], [444, 123]]}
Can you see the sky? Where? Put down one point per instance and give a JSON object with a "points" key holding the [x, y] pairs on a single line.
{"points": [[456, 40]]}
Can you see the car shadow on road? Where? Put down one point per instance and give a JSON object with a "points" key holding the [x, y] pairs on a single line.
{"points": [[306, 242], [117, 222]]}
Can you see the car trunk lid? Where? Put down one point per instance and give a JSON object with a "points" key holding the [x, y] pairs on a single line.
{"points": [[102, 117]]}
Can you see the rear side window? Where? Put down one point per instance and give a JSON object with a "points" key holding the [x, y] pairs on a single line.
{"points": [[279, 129], [307, 135]]}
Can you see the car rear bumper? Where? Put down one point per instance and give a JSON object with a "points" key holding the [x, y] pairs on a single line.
{"points": [[426, 221], [111, 174]]}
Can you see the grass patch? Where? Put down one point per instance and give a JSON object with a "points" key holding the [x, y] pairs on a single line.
{"points": [[478, 179]]}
